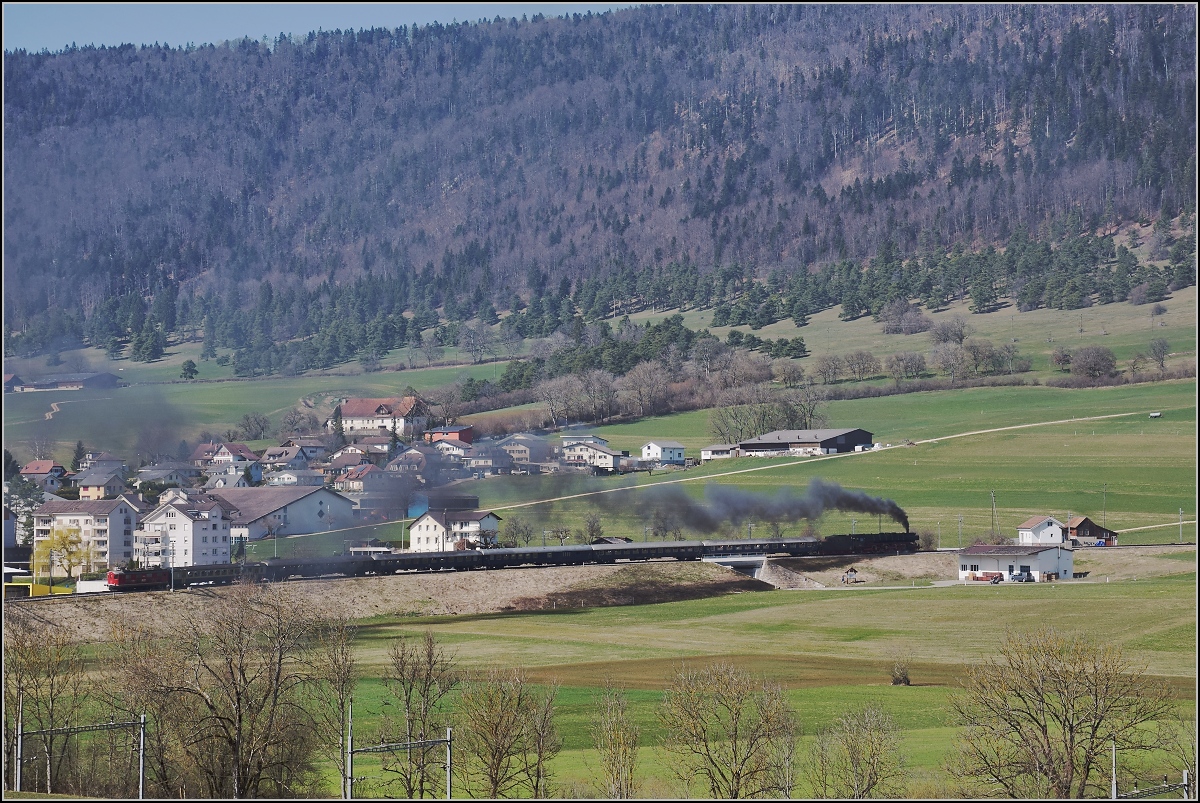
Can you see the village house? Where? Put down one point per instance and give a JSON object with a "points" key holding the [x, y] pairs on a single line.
{"points": [[233, 453], [276, 458], [669, 452], [452, 448], [286, 510], [464, 433], [1041, 530], [367, 478], [1041, 561], [487, 459], [404, 416], [313, 448], [103, 461], [203, 454], [800, 442], [441, 530], [12, 383], [192, 530], [1082, 531], [718, 451], [295, 476], [525, 449], [105, 527], [168, 473], [46, 473], [379, 449], [594, 455], [98, 484]]}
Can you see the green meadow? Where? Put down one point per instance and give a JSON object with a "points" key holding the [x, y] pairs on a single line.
{"points": [[831, 651]]}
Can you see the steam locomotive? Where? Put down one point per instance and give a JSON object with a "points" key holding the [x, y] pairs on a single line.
{"points": [[276, 569]]}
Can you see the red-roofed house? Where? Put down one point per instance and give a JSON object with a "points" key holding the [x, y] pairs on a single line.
{"points": [[46, 473], [363, 479], [232, 452], [464, 433], [405, 415]]}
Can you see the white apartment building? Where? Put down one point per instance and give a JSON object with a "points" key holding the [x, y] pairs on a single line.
{"points": [[105, 527], [184, 532]]}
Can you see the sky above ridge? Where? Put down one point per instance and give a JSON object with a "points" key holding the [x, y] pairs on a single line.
{"points": [[54, 26]]}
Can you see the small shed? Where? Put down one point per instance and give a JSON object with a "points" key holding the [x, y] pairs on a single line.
{"points": [[1042, 562]]}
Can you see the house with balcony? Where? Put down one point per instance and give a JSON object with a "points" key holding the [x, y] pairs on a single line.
{"points": [[105, 526], [443, 530], [190, 531]]}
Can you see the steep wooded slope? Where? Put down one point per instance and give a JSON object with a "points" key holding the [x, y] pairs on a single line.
{"points": [[492, 157]]}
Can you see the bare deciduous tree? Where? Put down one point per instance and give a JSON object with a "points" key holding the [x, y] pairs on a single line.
{"points": [[645, 387], [955, 330], [735, 733], [477, 339], [1039, 719], [419, 677], [950, 359], [1178, 739], [858, 757], [508, 735], [334, 681], [233, 683], [516, 529], [1093, 361], [862, 364], [615, 735], [44, 676], [828, 367], [599, 394], [787, 372], [1159, 350], [560, 395]]}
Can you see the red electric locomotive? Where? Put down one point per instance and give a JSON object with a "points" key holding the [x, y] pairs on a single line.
{"points": [[144, 580]]}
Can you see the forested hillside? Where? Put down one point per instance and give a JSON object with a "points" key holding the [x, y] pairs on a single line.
{"points": [[768, 161]]}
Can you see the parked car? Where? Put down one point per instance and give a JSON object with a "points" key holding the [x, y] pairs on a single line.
{"points": [[1022, 577]]}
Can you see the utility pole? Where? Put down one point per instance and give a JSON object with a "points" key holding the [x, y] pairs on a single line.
{"points": [[939, 535], [960, 532], [852, 523], [993, 511], [1114, 769]]}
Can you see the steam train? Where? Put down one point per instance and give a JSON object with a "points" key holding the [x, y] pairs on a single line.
{"points": [[275, 569]]}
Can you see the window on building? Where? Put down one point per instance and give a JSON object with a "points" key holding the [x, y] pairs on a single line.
{"points": [[974, 567]]}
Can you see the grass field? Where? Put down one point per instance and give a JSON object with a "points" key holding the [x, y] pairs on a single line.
{"points": [[146, 418], [831, 650]]}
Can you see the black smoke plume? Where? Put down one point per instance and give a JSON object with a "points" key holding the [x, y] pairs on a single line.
{"points": [[723, 503]]}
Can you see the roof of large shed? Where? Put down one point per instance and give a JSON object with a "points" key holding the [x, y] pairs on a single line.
{"points": [[254, 503], [664, 444], [1005, 549], [801, 435], [1035, 521]]}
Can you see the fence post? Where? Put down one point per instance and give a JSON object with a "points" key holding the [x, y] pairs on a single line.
{"points": [[449, 732], [142, 758], [20, 743]]}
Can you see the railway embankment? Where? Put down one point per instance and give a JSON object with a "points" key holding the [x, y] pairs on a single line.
{"points": [[90, 617]]}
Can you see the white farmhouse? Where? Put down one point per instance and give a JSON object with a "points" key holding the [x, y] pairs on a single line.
{"points": [[1041, 530], [189, 531], [587, 453], [663, 452], [440, 530], [984, 561], [718, 451]]}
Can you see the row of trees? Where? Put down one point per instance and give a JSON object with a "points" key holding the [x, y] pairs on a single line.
{"points": [[252, 693]]}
